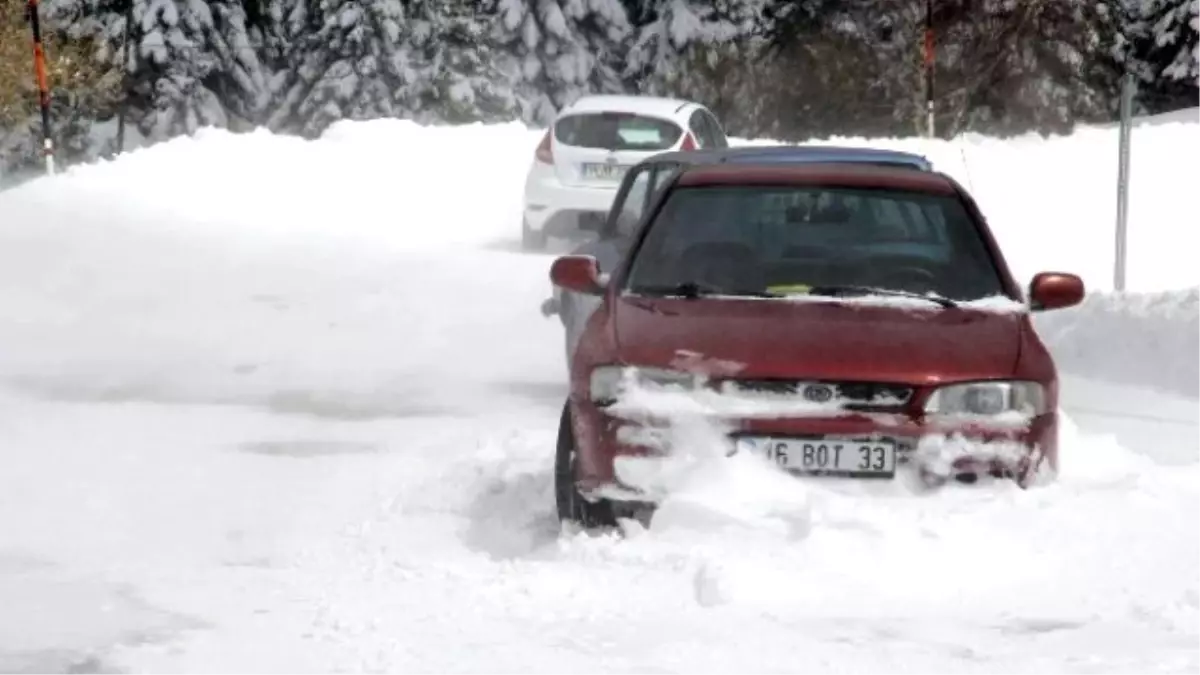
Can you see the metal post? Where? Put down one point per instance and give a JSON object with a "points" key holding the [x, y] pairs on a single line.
{"points": [[1128, 90], [124, 77], [39, 67], [929, 67]]}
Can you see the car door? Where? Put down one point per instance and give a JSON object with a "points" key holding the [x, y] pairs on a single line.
{"points": [[638, 189]]}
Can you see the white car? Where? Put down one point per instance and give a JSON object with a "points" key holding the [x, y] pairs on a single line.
{"points": [[580, 161]]}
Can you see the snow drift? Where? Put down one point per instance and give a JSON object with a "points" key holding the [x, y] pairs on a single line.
{"points": [[1147, 339]]}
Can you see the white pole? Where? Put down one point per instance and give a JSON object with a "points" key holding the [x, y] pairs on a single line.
{"points": [[1128, 88], [48, 151]]}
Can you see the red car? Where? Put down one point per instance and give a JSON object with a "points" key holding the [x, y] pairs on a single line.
{"points": [[840, 320]]}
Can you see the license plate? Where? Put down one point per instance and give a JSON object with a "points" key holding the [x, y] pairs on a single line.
{"points": [[826, 456], [608, 172]]}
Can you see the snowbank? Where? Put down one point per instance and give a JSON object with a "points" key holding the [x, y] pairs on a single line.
{"points": [[393, 183], [1147, 339], [270, 270]]}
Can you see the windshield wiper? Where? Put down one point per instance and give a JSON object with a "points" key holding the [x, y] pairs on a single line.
{"points": [[695, 289], [834, 290]]}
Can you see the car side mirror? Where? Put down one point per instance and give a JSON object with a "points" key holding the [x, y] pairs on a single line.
{"points": [[1055, 290], [578, 273]]}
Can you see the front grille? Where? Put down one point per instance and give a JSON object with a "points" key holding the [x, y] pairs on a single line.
{"points": [[865, 396]]}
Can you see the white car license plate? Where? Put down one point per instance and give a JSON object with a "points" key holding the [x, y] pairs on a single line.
{"points": [[840, 456], [608, 172]]}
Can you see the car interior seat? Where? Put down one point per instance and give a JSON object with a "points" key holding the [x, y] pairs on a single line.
{"points": [[726, 265]]}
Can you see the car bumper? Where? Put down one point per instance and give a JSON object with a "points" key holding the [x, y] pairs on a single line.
{"points": [[555, 208], [616, 453]]}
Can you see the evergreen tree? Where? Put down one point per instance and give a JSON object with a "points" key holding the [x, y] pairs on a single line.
{"points": [[347, 60], [1172, 50], [193, 66], [462, 77], [850, 67], [83, 87], [1164, 53], [999, 66], [559, 50], [428, 60], [1029, 66], [790, 69], [671, 33]]}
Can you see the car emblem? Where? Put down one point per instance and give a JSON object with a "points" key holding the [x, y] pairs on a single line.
{"points": [[610, 160], [818, 393]]}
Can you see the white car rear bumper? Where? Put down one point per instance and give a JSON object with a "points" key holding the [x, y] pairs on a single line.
{"points": [[555, 208]]}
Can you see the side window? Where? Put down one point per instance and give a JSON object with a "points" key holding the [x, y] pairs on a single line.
{"points": [[629, 211], [715, 130], [662, 173], [699, 128]]}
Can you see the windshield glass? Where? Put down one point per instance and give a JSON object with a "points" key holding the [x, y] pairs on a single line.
{"points": [[752, 240]]}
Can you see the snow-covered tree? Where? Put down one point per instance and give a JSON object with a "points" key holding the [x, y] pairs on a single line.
{"points": [[785, 68], [429, 60], [1002, 67], [558, 50], [846, 67], [194, 66], [1172, 28], [346, 60], [671, 34], [462, 76], [1013, 67], [191, 63], [83, 87]]}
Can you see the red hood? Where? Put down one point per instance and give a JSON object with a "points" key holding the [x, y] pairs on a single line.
{"points": [[821, 340]]}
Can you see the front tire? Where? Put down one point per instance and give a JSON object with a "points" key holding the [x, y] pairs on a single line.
{"points": [[572, 507]]}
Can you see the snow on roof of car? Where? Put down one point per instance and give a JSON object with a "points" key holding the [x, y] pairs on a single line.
{"points": [[825, 153], [793, 154], [840, 174], [647, 105]]}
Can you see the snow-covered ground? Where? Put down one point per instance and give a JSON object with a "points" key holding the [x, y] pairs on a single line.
{"points": [[276, 405]]}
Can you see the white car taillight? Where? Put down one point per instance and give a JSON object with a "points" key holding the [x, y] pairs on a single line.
{"points": [[543, 153], [688, 143]]}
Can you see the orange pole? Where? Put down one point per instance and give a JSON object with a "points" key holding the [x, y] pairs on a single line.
{"points": [[39, 66]]}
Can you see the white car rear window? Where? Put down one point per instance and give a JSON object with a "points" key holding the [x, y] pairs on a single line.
{"points": [[617, 131]]}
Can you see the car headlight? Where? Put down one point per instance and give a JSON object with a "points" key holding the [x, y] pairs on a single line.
{"points": [[988, 399], [608, 382]]}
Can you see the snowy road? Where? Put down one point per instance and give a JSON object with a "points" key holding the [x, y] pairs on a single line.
{"points": [[332, 452]]}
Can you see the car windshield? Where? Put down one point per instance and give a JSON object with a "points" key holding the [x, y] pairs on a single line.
{"points": [[768, 240], [616, 131]]}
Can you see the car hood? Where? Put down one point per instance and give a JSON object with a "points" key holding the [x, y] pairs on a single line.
{"points": [[834, 340]]}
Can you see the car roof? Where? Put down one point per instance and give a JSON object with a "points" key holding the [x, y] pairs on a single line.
{"points": [[795, 154], [831, 174], [643, 105]]}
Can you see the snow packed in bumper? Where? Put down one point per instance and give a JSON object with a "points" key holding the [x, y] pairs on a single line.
{"points": [[648, 421]]}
